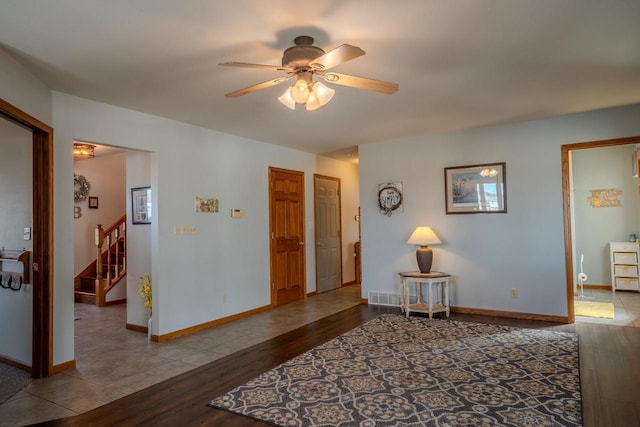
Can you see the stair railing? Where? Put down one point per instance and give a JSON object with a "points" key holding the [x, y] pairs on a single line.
{"points": [[111, 244]]}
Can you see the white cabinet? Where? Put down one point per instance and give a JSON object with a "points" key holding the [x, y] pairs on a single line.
{"points": [[624, 266]]}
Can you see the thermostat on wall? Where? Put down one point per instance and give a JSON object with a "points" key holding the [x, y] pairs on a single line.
{"points": [[237, 213]]}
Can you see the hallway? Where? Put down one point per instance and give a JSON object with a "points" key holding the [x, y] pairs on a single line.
{"points": [[112, 362], [626, 307]]}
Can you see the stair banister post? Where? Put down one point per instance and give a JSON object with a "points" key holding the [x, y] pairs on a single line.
{"points": [[100, 297]]}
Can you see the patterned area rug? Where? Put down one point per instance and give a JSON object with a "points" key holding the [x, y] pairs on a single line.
{"points": [[393, 371]]}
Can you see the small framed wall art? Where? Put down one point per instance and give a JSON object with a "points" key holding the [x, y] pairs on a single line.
{"points": [[476, 188], [204, 204], [141, 205], [93, 203], [390, 198]]}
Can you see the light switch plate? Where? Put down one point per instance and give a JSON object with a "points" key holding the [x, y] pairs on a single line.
{"points": [[237, 213], [27, 233]]}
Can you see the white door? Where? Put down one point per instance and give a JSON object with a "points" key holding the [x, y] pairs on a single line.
{"points": [[328, 236]]}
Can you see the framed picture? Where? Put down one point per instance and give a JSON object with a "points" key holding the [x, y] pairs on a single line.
{"points": [[93, 203], [141, 205], [476, 189], [206, 205]]}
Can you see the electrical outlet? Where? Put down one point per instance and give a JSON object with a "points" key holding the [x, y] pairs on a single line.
{"points": [[514, 293], [224, 298]]}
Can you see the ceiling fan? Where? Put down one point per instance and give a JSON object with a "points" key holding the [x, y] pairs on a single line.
{"points": [[304, 61]]}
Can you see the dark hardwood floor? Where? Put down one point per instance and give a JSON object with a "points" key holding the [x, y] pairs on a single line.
{"points": [[609, 371]]}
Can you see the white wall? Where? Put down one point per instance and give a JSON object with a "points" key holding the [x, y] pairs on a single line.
{"points": [[486, 254], [22, 89], [603, 168], [190, 273], [138, 174]]}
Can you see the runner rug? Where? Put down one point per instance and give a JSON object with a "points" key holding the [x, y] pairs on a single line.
{"points": [[394, 371], [603, 310]]}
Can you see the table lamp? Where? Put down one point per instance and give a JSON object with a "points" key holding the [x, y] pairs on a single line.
{"points": [[424, 236]]}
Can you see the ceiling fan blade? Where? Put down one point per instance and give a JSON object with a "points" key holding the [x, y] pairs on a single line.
{"points": [[257, 87], [361, 82], [337, 56], [248, 65]]}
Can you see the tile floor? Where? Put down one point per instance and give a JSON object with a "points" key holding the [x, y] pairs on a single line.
{"points": [[626, 306], [112, 362]]}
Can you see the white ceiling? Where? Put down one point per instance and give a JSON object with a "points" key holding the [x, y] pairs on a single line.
{"points": [[459, 64]]}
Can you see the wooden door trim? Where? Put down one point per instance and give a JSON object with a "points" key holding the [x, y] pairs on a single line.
{"points": [[42, 340], [317, 176], [272, 170], [566, 202]]}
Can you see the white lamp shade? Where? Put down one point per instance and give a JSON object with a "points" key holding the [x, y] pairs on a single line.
{"points": [[300, 91], [423, 236], [319, 96], [287, 100]]}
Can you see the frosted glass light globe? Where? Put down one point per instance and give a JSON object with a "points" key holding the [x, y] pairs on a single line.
{"points": [[300, 91]]}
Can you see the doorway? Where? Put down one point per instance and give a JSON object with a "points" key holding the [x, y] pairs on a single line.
{"points": [[286, 227], [328, 233], [570, 261], [42, 257]]}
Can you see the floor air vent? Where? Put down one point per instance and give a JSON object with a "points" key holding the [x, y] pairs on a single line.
{"points": [[384, 298]]}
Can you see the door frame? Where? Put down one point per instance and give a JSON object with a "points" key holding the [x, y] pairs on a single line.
{"points": [[566, 197], [42, 147], [315, 221]]}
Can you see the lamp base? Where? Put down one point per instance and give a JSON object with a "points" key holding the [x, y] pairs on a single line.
{"points": [[424, 256]]}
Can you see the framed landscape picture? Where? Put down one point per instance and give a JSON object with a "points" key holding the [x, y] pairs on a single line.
{"points": [[476, 188]]}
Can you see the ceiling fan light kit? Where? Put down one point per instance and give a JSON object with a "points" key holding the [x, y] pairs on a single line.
{"points": [[304, 61]]}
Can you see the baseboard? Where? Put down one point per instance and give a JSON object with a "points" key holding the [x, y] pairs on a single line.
{"points": [[599, 287], [12, 362], [594, 287], [510, 314], [116, 302], [314, 293], [137, 328], [56, 369], [197, 328]]}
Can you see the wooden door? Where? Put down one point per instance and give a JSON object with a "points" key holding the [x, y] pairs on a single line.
{"points": [[286, 221], [328, 236]]}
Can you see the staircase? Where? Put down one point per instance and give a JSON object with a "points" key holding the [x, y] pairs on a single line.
{"points": [[101, 275]]}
